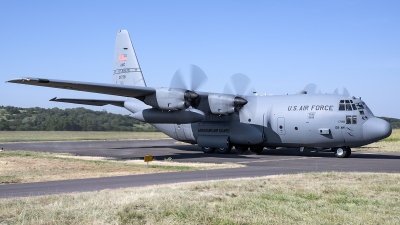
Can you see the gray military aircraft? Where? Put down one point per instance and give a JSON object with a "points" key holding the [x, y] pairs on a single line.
{"points": [[218, 121]]}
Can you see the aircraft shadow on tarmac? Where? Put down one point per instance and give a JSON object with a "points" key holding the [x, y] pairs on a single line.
{"points": [[192, 151]]}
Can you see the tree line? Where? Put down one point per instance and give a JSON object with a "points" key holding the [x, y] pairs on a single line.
{"points": [[79, 119], [75, 119]]}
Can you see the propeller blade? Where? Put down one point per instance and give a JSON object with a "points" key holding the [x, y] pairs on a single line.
{"points": [[177, 80], [198, 77], [312, 89], [239, 84], [341, 91]]}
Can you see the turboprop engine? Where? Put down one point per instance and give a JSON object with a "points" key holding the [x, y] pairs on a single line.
{"points": [[223, 104], [171, 98]]}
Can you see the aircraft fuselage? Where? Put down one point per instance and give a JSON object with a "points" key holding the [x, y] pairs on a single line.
{"points": [[311, 121]]}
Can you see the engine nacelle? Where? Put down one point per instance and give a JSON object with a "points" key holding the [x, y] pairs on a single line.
{"points": [[170, 98], [174, 117], [223, 104]]}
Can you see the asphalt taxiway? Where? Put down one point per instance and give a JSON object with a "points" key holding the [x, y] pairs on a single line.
{"points": [[270, 162]]}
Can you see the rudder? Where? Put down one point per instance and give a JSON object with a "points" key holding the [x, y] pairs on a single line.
{"points": [[126, 66]]}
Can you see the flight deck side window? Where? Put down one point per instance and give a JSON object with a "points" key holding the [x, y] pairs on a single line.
{"points": [[348, 107], [354, 121], [360, 106], [354, 106], [348, 119]]}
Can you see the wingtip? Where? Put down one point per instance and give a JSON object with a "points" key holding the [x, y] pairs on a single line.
{"points": [[53, 99], [19, 80]]}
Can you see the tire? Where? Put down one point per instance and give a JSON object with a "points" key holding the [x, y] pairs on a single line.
{"points": [[348, 152], [343, 152], [224, 150], [240, 149], [256, 150], [208, 149]]}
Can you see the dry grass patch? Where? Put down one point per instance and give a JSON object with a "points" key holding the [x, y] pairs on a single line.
{"points": [[316, 198], [23, 136], [381, 146], [394, 137], [389, 144], [24, 166]]}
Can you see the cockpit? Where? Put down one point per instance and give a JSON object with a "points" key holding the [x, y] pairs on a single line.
{"points": [[356, 105]]}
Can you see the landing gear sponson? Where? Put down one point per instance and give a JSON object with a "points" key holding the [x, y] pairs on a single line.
{"points": [[240, 149], [342, 152]]}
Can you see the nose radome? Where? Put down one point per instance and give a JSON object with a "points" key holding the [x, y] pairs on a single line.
{"points": [[375, 129]]}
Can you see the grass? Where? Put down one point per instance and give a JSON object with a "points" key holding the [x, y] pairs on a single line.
{"points": [[25, 166], [394, 137], [314, 198], [27, 136], [389, 144]]}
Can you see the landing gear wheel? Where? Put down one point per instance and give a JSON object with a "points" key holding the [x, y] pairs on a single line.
{"points": [[224, 150], [208, 149], [256, 150], [343, 152], [240, 149]]}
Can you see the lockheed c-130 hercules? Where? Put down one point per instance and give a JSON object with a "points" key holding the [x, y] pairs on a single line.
{"points": [[235, 118]]}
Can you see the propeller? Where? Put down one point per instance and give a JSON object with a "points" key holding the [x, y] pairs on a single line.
{"points": [[196, 79], [342, 91], [241, 86], [312, 89]]}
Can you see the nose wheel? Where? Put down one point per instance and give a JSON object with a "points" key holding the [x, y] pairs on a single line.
{"points": [[342, 152]]}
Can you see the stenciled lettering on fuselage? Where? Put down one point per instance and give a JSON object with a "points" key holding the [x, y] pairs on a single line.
{"points": [[310, 108], [213, 130]]}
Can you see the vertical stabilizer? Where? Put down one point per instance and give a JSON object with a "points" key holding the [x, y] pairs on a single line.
{"points": [[126, 66]]}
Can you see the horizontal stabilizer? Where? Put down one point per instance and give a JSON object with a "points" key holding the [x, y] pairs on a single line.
{"points": [[89, 101], [110, 89]]}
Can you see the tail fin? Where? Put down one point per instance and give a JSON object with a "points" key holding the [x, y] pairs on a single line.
{"points": [[126, 66]]}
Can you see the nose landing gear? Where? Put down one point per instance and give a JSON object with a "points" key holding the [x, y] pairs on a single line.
{"points": [[342, 152]]}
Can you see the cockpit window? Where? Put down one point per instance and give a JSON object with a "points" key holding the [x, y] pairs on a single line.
{"points": [[341, 107], [348, 119], [354, 120], [341, 101], [354, 106], [348, 107], [347, 101]]}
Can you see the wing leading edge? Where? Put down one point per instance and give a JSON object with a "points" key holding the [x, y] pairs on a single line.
{"points": [[94, 102], [110, 89]]}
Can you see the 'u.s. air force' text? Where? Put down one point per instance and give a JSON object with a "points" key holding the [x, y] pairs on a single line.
{"points": [[312, 108]]}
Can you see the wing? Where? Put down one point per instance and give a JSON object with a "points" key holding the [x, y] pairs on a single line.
{"points": [[110, 89], [94, 102]]}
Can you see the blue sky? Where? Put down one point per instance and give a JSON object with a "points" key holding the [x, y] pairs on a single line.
{"points": [[281, 45]]}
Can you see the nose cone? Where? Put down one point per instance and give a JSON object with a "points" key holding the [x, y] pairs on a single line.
{"points": [[375, 129]]}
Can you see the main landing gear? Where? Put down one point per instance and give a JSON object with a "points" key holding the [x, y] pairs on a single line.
{"points": [[240, 149], [219, 150], [342, 152]]}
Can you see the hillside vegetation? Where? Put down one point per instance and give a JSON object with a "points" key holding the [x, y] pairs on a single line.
{"points": [[76, 119], [79, 119]]}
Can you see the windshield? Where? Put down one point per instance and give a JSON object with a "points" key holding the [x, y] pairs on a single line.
{"points": [[366, 108]]}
